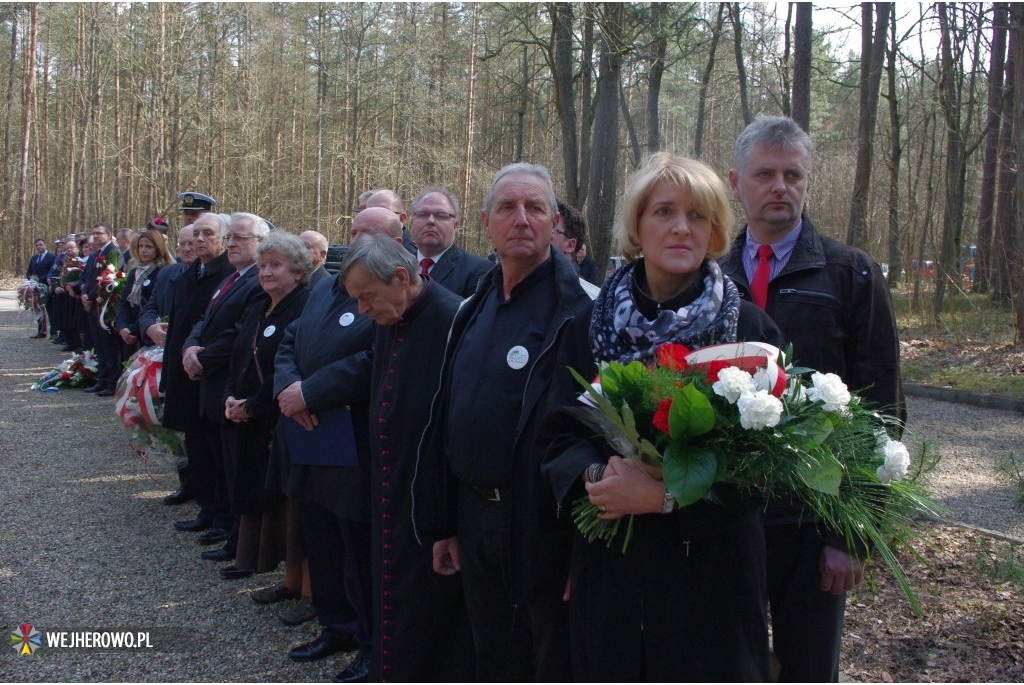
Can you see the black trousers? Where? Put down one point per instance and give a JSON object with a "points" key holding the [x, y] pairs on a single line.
{"points": [[108, 350], [807, 623], [340, 573], [514, 643]]}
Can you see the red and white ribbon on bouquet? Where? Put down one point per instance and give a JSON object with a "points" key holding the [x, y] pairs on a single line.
{"points": [[749, 356], [139, 399]]}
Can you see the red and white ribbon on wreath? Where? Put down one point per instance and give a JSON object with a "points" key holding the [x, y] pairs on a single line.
{"points": [[749, 356], [141, 385]]}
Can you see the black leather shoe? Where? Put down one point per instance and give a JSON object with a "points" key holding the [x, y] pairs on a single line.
{"points": [[59, 340], [67, 348], [356, 672], [39, 335], [193, 525], [179, 496], [213, 536], [275, 593], [235, 573], [96, 388], [217, 555], [322, 647], [105, 392]]}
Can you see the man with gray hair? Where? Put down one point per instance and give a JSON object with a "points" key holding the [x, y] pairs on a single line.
{"points": [[481, 444], [190, 294], [206, 356], [413, 316], [435, 219], [321, 379], [831, 301]]}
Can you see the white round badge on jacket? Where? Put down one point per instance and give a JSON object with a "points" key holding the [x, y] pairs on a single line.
{"points": [[347, 318], [269, 330], [517, 357]]}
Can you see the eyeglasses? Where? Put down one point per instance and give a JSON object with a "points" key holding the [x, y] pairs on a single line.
{"points": [[561, 233], [99, 233], [438, 216], [237, 238]]}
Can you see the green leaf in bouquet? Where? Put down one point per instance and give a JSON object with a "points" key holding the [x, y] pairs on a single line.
{"points": [[691, 414], [820, 471], [689, 472], [814, 430]]}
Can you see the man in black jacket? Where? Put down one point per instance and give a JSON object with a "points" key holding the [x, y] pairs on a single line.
{"points": [[481, 452], [190, 296], [832, 303]]}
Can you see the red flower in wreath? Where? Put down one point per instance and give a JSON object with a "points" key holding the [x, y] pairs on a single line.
{"points": [[660, 420], [673, 356]]}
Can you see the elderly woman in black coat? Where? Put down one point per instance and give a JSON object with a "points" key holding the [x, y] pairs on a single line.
{"points": [[251, 412]]}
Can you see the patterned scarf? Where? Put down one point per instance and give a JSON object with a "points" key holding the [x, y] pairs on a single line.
{"points": [[141, 273], [619, 332]]}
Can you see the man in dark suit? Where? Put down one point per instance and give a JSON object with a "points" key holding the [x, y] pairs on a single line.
{"points": [[316, 243], [323, 364], [206, 355], [106, 345], [190, 295], [435, 217], [39, 267]]}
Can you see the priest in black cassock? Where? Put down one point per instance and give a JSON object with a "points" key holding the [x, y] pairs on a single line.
{"points": [[421, 630]]}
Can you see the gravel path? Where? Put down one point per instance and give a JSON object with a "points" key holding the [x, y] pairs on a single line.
{"points": [[87, 542]]}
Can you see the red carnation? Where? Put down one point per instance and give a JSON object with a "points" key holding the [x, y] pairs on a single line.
{"points": [[714, 367], [673, 356], [661, 416]]}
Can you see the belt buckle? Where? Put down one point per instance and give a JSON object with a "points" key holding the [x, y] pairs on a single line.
{"points": [[494, 495]]}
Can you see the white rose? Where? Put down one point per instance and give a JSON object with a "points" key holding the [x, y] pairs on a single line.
{"points": [[732, 383], [896, 464], [759, 410], [829, 389]]}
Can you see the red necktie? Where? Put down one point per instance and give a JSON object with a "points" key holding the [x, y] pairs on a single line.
{"points": [[227, 286], [759, 284], [425, 265]]}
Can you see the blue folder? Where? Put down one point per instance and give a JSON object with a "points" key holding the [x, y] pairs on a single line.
{"points": [[331, 443]]}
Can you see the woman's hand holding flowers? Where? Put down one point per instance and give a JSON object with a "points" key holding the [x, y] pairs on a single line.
{"points": [[625, 489]]}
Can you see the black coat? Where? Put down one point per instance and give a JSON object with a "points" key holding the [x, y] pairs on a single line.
{"points": [[328, 349], [540, 538], [459, 271], [127, 314], [687, 601], [251, 378], [190, 296], [216, 333], [408, 595]]}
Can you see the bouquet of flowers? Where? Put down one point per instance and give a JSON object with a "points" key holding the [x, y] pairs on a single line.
{"points": [[109, 289], [32, 294], [733, 414], [139, 405], [72, 373], [71, 271]]}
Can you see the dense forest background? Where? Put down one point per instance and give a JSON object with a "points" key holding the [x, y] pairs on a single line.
{"points": [[291, 110]]}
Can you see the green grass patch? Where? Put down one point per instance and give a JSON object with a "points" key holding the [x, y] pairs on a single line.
{"points": [[965, 316], [942, 374], [1002, 561]]}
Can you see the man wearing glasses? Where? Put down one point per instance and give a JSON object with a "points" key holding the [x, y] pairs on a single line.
{"points": [[205, 357], [435, 217], [107, 351]]}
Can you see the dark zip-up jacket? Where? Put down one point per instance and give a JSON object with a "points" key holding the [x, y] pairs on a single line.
{"points": [[832, 303], [541, 539]]}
